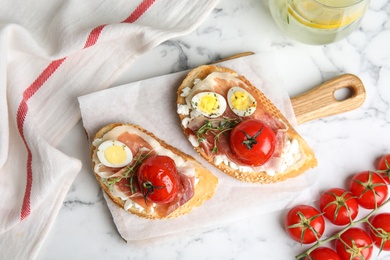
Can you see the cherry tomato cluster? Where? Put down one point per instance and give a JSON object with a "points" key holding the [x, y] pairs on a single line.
{"points": [[368, 190]]}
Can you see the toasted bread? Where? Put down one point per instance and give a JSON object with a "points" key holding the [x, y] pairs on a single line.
{"points": [[204, 188], [307, 158]]}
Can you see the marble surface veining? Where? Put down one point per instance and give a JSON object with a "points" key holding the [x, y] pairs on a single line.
{"points": [[344, 144]]}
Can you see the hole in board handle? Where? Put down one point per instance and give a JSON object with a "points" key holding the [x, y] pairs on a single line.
{"points": [[342, 94]]}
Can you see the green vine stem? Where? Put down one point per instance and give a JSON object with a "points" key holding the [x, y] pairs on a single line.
{"points": [[338, 234]]}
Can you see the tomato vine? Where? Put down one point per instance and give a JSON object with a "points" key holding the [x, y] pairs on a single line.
{"points": [[338, 234], [367, 189]]}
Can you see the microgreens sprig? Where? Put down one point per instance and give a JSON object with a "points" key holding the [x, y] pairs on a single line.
{"points": [[217, 127], [129, 173]]}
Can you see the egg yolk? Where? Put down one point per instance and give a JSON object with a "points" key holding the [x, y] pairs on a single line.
{"points": [[115, 154], [241, 101], [208, 104]]}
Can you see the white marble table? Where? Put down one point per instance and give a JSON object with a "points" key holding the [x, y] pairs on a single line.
{"points": [[344, 144]]}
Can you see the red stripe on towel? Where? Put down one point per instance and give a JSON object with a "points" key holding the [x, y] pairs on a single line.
{"points": [[21, 116], [93, 36], [139, 11], [37, 84]]}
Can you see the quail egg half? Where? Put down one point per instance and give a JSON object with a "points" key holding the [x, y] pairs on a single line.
{"points": [[241, 102], [209, 104], [114, 154]]}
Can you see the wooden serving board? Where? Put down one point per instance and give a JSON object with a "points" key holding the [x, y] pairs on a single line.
{"points": [[320, 101]]}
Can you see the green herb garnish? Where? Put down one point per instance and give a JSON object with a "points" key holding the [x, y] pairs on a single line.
{"points": [[129, 173], [216, 127]]}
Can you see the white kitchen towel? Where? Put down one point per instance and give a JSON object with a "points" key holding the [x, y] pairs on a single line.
{"points": [[51, 52]]}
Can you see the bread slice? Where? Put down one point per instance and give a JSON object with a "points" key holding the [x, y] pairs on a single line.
{"points": [[204, 188], [307, 158]]}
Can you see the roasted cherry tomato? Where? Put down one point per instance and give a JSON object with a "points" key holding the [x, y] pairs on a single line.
{"points": [[353, 244], [339, 206], [384, 167], [304, 224], [369, 188], [380, 230], [252, 142], [158, 179], [323, 253]]}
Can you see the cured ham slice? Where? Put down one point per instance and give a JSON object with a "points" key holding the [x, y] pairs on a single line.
{"points": [[134, 142], [186, 192]]}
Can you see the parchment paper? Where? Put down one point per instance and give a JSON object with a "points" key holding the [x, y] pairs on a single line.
{"points": [[152, 105]]}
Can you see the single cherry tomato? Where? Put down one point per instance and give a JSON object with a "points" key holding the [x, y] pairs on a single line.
{"points": [[339, 206], [354, 244], [380, 230], [252, 142], [369, 188], [158, 179], [384, 167], [323, 253], [304, 224]]}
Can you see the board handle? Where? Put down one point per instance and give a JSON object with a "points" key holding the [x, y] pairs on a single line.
{"points": [[321, 101]]}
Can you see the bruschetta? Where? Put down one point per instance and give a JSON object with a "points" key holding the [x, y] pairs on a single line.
{"points": [[147, 177], [236, 128]]}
